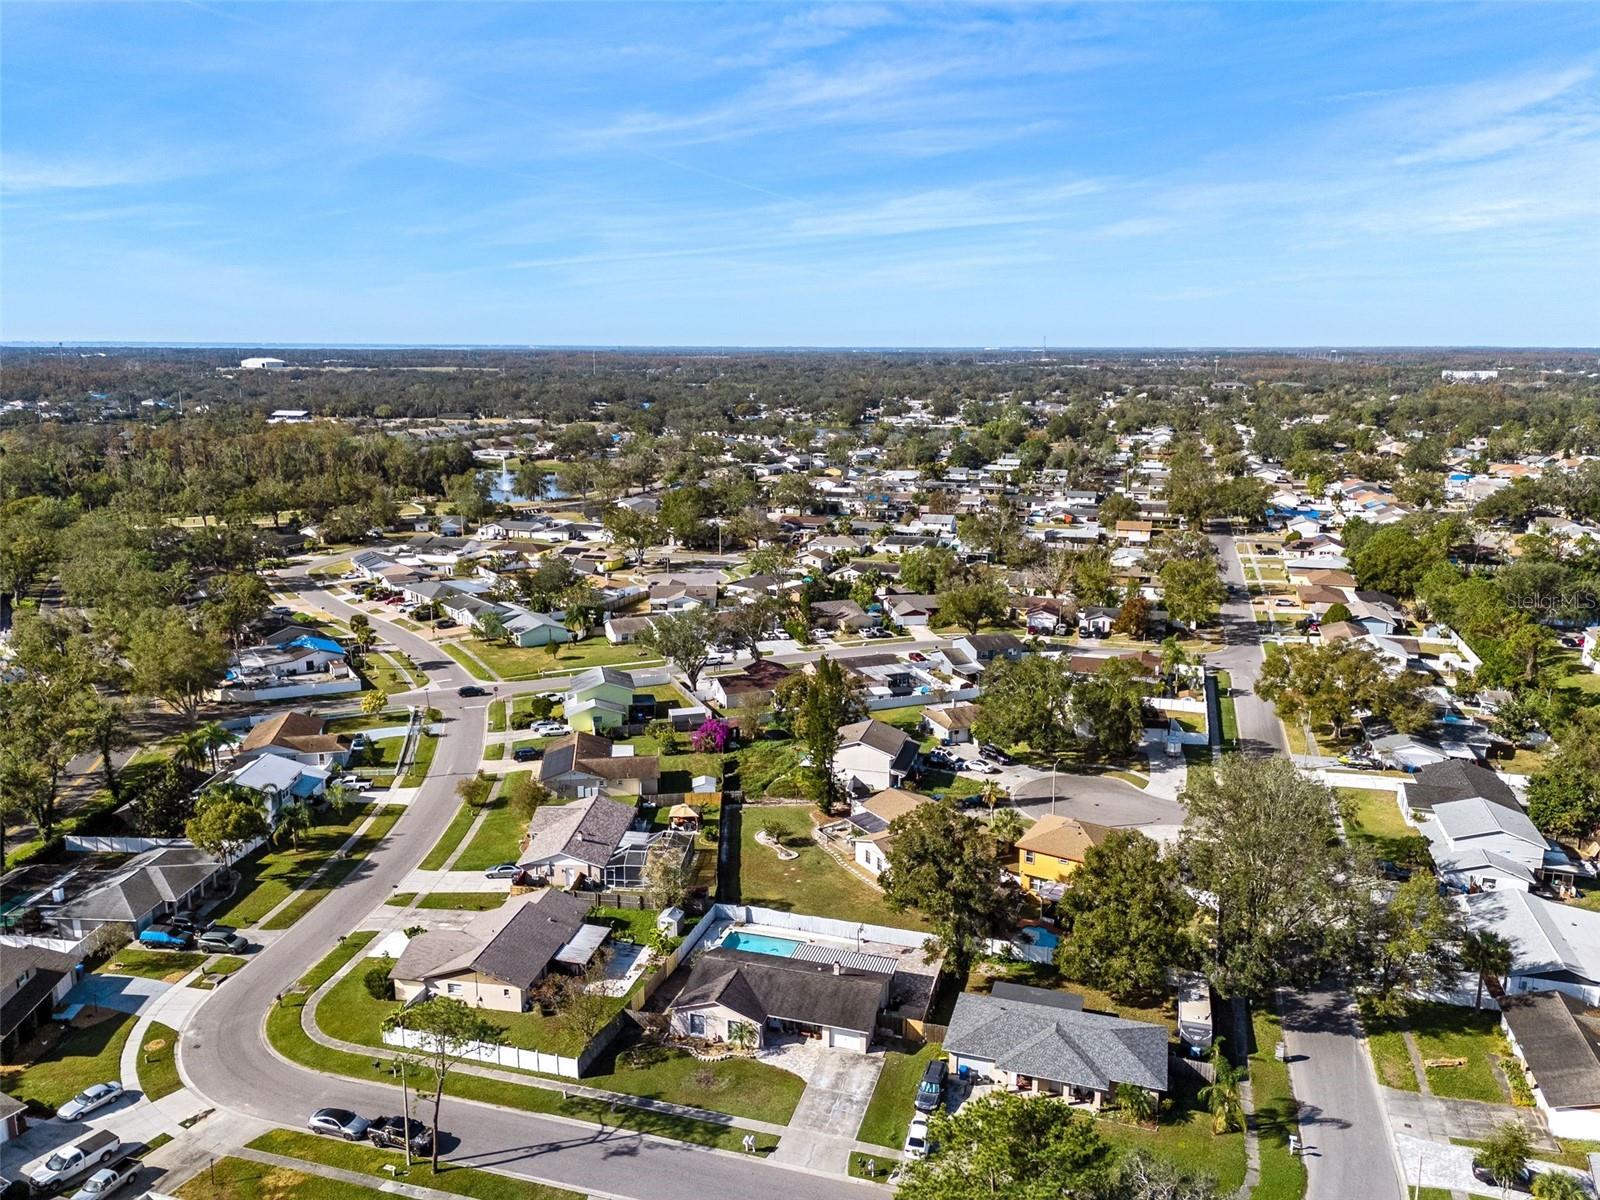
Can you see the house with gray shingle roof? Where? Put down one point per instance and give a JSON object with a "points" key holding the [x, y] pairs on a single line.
{"points": [[1036, 1040]]}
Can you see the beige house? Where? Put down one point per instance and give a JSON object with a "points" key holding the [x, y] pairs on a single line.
{"points": [[500, 956], [871, 820]]}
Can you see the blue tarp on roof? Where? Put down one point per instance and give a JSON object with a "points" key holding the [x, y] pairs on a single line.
{"points": [[312, 641]]}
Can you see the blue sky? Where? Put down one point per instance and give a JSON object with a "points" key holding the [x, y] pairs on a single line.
{"points": [[760, 174]]}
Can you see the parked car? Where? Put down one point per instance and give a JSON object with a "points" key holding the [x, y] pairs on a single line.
{"points": [[220, 939], [930, 1092], [527, 754], [390, 1132], [1521, 1182], [503, 871], [470, 690], [917, 1137], [68, 1162], [548, 729], [108, 1178], [91, 1099], [994, 754], [982, 767], [340, 1123], [165, 937]]}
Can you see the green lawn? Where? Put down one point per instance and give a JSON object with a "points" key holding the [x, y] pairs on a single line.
{"points": [[768, 768], [1372, 816], [82, 1056], [494, 751], [1444, 1031], [241, 1179], [463, 901], [427, 746], [169, 965], [450, 838], [225, 964], [810, 883], [1230, 713], [290, 1040], [1184, 1135], [498, 840], [158, 1062], [889, 1113], [370, 1160], [1390, 1058], [269, 876], [386, 674], [474, 669], [1283, 1175], [516, 662], [741, 1087], [339, 871], [356, 724], [497, 716]]}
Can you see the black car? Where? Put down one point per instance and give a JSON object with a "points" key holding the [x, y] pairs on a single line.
{"points": [[469, 690], [930, 1092], [1521, 1182], [994, 754], [527, 754], [390, 1132]]}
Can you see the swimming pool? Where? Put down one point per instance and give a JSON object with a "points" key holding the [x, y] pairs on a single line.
{"points": [[760, 943]]}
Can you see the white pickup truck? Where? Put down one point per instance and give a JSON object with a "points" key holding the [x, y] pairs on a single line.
{"points": [[67, 1163]]}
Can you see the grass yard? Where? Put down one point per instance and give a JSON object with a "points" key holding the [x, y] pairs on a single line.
{"points": [[516, 662], [768, 767], [289, 1039], [450, 838], [167, 965], [498, 840], [427, 746], [386, 674], [497, 716], [1443, 1031], [158, 1062], [494, 751], [1230, 713], [1283, 1175], [356, 724], [888, 1114], [463, 901], [370, 1160], [268, 877], [1184, 1135], [741, 1087], [1390, 1059], [223, 965], [339, 871], [811, 883], [1371, 815], [85, 1054], [241, 1179], [474, 668]]}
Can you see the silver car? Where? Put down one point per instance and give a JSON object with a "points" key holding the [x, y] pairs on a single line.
{"points": [[91, 1099], [107, 1179], [340, 1123]]}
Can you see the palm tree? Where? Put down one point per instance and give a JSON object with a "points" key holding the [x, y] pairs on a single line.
{"points": [[1139, 1103], [1005, 826], [1486, 953], [1221, 1096], [292, 822], [577, 622], [742, 1036], [192, 748], [216, 736]]}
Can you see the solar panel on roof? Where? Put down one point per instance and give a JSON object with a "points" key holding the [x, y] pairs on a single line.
{"points": [[868, 822]]}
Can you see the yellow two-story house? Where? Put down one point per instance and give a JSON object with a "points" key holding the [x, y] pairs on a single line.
{"points": [[1051, 850]]}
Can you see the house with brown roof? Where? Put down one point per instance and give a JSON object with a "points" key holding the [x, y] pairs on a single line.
{"points": [[294, 735], [950, 722], [753, 685], [869, 822], [586, 764], [498, 958], [1053, 849], [1135, 533], [568, 843], [873, 756]]}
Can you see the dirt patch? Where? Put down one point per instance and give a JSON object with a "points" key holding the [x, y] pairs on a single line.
{"points": [[155, 1045]]}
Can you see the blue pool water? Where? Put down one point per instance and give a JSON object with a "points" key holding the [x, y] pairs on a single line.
{"points": [[1037, 936], [760, 943]]}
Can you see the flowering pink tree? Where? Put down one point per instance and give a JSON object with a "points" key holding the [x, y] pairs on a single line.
{"points": [[713, 736]]}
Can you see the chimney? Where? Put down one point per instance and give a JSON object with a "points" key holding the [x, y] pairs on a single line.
{"points": [[838, 968]]}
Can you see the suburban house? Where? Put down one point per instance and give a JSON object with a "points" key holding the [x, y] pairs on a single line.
{"points": [[302, 664], [280, 782], [950, 723], [1555, 947], [873, 756], [1557, 1041], [1443, 782], [149, 887], [585, 764], [867, 826], [32, 984], [599, 698], [911, 610], [976, 651], [844, 615], [1051, 850], [1028, 1039], [752, 686], [832, 996], [1479, 846], [572, 842], [495, 961], [623, 631], [297, 736], [1135, 533], [528, 629]]}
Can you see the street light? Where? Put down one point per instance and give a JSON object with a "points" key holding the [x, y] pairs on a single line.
{"points": [[1054, 763]]}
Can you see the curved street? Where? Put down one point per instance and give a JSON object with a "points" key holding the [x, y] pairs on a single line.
{"points": [[225, 1057]]}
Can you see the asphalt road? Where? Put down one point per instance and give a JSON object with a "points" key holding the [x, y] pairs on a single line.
{"points": [[1260, 730], [225, 1058], [1349, 1151], [1095, 798]]}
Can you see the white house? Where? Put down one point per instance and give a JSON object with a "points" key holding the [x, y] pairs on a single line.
{"points": [[1478, 844], [1555, 947], [873, 756]]}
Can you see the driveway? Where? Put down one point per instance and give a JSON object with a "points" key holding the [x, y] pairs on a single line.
{"points": [[823, 1129], [1097, 798], [124, 993]]}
